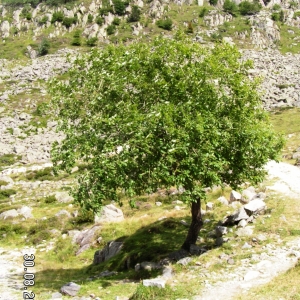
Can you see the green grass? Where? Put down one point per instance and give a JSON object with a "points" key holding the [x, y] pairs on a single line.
{"points": [[289, 42]]}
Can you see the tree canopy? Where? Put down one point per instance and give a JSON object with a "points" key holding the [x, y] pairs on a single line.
{"points": [[161, 114]]}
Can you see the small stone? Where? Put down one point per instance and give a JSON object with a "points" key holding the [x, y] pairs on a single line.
{"points": [[70, 289], [230, 261], [184, 261], [235, 196], [57, 295], [223, 200], [209, 206], [247, 231], [221, 230], [157, 282], [243, 223], [246, 246], [158, 203]]}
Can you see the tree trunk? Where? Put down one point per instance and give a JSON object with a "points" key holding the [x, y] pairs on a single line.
{"points": [[195, 225]]}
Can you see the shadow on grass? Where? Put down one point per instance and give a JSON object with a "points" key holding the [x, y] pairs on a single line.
{"points": [[151, 243]]}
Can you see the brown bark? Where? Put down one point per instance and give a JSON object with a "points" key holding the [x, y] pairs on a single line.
{"points": [[195, 226]]}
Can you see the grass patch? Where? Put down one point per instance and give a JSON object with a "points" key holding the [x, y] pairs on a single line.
{"points": [[8, 159]]}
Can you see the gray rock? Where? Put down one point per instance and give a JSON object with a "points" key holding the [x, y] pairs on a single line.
{"points": [[209, 206], [149, 266], [110, 213], [63, 212], [196, 250], [221, 230], [70, 289], [219, 241], [247, 231], [242, 223], [223, 200], [167, 272], [110, 250], [235, 196], [157, 282], [63, 197], [82, 249], [25, 211], [87, 236], [184, 261], [12, 213], [107, 273], [56, 295], [254, 207]]}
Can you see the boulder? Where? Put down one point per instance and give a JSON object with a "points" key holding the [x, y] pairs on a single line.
{"points": [[25, 211], [235, 196], [63, 197], [70, 289], [223, 200], [110, 213], [110, 250], [255, 207], [12, 213], [157, 282], [221, 230]]}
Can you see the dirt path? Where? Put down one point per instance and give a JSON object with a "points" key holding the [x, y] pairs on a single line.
{"points": [[11, 273], [274, 260]]}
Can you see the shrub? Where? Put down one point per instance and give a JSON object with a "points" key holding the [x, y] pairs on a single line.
{"points": [[203, 12], [190, 28], [230, 7], [68, 22], [296, 14], [116, 21], [3, 183], [76, 38], [7, 193], [90, 18], [8, 159], [249, 8], [111, 29], [85, 216], [275, 16], [57, 16], [92, 42], [99, 20], [213, 2], [165, 24], [135, 15], [105, 10], [276, 7], [43, 21], [119, 7], [45, 174], [50, 199], [43, 48]]}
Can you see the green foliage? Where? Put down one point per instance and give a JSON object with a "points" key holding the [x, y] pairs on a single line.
{"points": [[105, 10], [90, 18], [276, 7], [146, 293], [3, 183], [11, 230], [281, 16], [7, 193], [34, 3], [230, 7], [100, 20], [45, 174], [85, 216], [294, 4], [50, 199], [275, 16], [44, 47], [119, 7], [41, 109], [43, 20], [249, 8], [64, 249], [135, 15], [116, 21], [8, 159], [195, 126], [76, 38], [165, 24], [92, 42], [57, 16], [111, 29], [68, 22], [203, 11], [213, 2], [296, 14]]}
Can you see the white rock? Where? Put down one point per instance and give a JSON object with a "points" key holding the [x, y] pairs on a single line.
{"points": [[235, 196], [157, 282]]}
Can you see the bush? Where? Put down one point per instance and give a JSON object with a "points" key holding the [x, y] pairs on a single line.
{"points": [[50, 199], [99, 20], [85, 216], [116, 21], [76, 38], [43, 21], [230, 7], [135, 15], [276, 7], [275, 16], [68, 22], [7, 193], [203, 12], [119, 7], [90, 18], [105, 10], [111, 29], [165, 24], [42, 175], [190, 28], [57, 16], [92, 42], [249, 8], [213, 2], [44, 48], [3, 183], [8, 159]]}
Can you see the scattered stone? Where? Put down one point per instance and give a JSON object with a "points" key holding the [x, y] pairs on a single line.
{"points": [[235, 196], [12, 213], [57, 295], [209, 206], [110, 250], [157, 282], [107, 273], [246, 246], [223, 200], [70, 289], [255, 207], [230, 261], [25, 211], [243, 223], [63, 212], [63, 197], [221, 230], [184, 261], [247, 231], [110, 213], [167, 272], [158, 203]]}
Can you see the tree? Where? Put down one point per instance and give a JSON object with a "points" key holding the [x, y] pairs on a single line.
{"points": [[230, 7], [135, 15], [249, 8], [169, 113], [44, 47]]}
